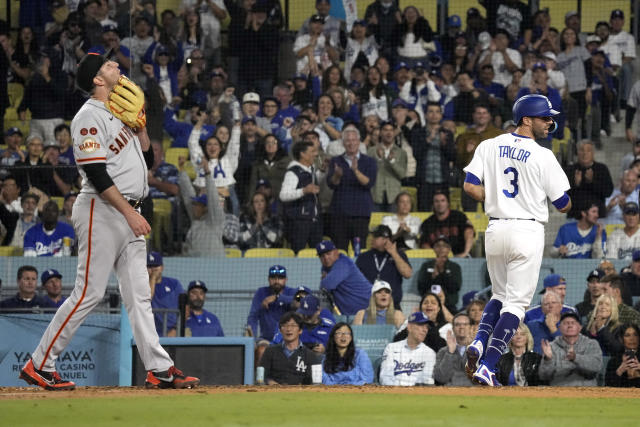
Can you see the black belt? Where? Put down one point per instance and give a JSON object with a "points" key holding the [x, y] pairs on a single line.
{"points": [[510, 219], [135, 203]]}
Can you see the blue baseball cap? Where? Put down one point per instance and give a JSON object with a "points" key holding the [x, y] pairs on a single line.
{"points": [[468, 297], [154, 259], [300, 76], [197, 284], [200, 199], [539, 65], [277, 271], [419, 318], [324, 247], [263, 182], [362, 22], [48, 274], [399, 103], [308, 305], [303, 288], [454, 21], [400, 65], [13, 131], [246, 119], [551, 281]]}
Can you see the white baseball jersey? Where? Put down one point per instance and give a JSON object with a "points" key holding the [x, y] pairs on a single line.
{"points": [[402, 365], [621, 246], [99, 137], [625, 43], [518, 176]]}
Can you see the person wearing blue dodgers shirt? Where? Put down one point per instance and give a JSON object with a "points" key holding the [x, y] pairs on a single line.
{"points": [[317, 324], [164, 294], [47, 238], [552, 283], [343, 280], [52, 283], [200, 322], [269, 304]]}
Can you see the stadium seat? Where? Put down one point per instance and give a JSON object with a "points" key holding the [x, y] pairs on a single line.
{"points": [[610, 228], [15, 92], [10, 251], [307, 253], [59, 201], [232, 253], [173, 154], [479, 221], [455, 198], [376, 219], [161, 230], [420, 253], [269, 253]]}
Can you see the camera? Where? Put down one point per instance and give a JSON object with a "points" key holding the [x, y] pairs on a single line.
{"points": [[631, 354]]}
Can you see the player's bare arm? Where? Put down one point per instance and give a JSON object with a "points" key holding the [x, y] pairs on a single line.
{"points": [[475, 191]]}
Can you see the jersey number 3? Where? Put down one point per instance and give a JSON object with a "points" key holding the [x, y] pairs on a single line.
{"points": [[513, 182]]}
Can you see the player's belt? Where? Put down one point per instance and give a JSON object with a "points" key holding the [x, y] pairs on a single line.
{"points": [[491, 218], [135, 203]]}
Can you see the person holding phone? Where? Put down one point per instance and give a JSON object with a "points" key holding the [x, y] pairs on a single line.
{"points": [[623, 369], [440, 275]]}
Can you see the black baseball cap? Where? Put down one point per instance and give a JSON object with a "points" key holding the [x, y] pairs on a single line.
{"points": [[87, 69], [317, 18], [568, 314], [197, 284], [630, 208], [596, 274], [442, 238], [382, 231], [617, 13]]}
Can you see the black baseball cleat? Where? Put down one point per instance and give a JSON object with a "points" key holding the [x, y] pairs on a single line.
{"points": [[172, 378], [46, 380]]}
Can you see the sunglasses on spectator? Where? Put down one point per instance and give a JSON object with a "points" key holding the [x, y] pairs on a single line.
{"points": [[277, 272]]}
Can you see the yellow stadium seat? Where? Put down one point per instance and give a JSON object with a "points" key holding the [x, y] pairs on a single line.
{"points": [[161, 205], [455, 198], [420, 253], [10, 251], [592, 11], [173, 155], [422, 215], [610, 228], [307, 253], [479, 221], [162, 229], [59, 201], [269, 253], [15, 92], [232, 253], [166, 143], [413, 192], [376, 219]]}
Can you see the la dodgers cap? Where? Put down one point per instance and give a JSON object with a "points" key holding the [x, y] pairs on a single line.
{"points": [[617, 13], [420, 318], [308, 305], [197, 284], [324, 247], [48, 274], [551, 281], [596, 274], [154, 259]]}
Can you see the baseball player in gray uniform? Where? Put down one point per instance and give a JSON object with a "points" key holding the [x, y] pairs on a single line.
{"points": [[113, 160], [514, 177]]}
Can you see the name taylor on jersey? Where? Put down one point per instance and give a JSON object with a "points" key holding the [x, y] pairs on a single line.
{"points": [[513, 153]]}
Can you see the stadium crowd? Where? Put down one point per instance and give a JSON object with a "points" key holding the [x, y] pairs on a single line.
{"points": [[381, 115]]}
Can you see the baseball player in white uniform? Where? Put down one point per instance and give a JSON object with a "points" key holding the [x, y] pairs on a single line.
{"points": [[113, 160], [513, 176]]}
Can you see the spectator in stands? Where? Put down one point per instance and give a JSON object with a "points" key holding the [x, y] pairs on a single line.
{"points": [[584, 238], [504, 59], [349, 291], [258, 227], [381, 310], [212, 14], [200, 322], [51, 237], [572, 20], [17, 224], [451, 223], [589, 180], [67, 207], [603, 97], [623, 369], [467, 143], [27, 296], [460, 108], [385, 262], [591, 295], [485, 81], [620, 197], [110, 44], [344, 364], [451, 360], [519, 365], [24, 56], [299, 194], [62, 135], [62, 177], [432, 307], [351, 177], [289, 362], [206, 214], [547, 326], [360, 48], [412, 36], [602, 324], [52, 285], [164, 295], [191, 35], [571, 61], [251, 108], [614, 286], [511, 16], [163, 176], [27, 172], [375, 96], [474, 310], [571, 359], [258, 47], [404, 226], [441, 276], [631, 275], [268, 305], [10, 194], [392, 163], [627, 45], [409, 362], [607, 266], [317, 323], [249, 141], [624, 241], [332, 26], [448, 40], [552, 283], [139, 42], [435, 151], [382, 17], [326, 122], [12, 153]]}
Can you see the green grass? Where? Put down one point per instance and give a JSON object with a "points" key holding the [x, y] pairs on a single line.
{"points": [[317, 409]]}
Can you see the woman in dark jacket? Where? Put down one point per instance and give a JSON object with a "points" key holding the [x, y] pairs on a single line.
{"points": [[623, 369], [519, 366]]}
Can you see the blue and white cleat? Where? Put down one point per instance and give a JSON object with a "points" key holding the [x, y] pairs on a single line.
{"points": [[484, 376], [474, 353]]}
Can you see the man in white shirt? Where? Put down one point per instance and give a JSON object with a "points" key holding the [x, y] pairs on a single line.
{"points": [[504, 59], [623, 242], [627, 46], [314, 49], [611, 49], [627, 192], [409, 362]]}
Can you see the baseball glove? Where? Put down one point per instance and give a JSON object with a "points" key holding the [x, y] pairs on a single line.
{"points": [[126, 102]]}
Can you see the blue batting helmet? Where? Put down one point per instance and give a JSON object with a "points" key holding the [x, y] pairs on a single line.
{"points": [[534, 106]]}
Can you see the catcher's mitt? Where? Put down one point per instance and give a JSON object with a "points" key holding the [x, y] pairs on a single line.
{"points": [[126, 102]]}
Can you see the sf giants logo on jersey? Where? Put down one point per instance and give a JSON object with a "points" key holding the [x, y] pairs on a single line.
{"points": [[89, 145], [121, 140]]}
